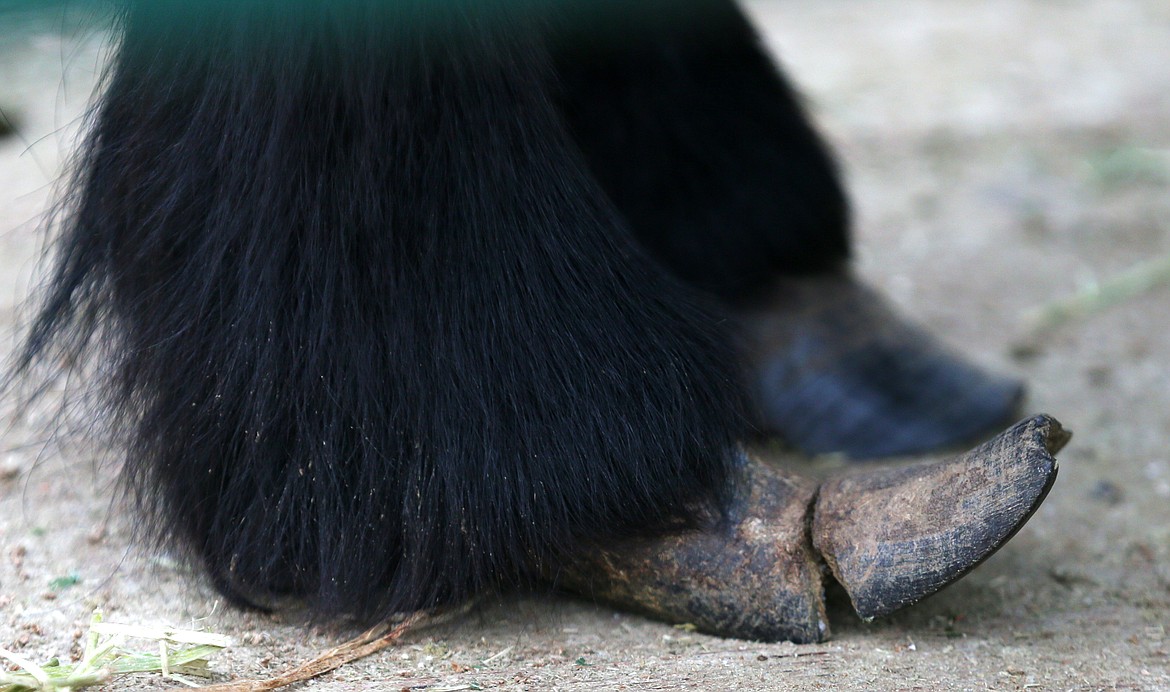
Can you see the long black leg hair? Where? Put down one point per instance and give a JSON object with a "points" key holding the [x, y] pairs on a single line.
{"points": [[701, 143], [373, 335]]}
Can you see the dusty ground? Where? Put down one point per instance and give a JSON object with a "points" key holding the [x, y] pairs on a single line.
{"points": [[1002, 154]]}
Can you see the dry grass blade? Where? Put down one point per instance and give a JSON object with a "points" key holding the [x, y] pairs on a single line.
{"points": [[179, 652], [1088, 301]]}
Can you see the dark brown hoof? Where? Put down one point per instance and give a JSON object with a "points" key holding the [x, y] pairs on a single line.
{"points": [[833, 369], [894, 536], [890, 536], [752, 576]]}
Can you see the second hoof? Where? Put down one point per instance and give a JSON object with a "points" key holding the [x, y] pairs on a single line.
{"points": [[833, 369]]}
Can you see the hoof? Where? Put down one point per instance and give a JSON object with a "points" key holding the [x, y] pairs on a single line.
{"points": [[751, 575], [891, 537], [832, 369], [894, 536]]}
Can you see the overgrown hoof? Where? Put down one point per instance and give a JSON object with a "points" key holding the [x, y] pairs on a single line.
{"points": [[833, 369], [891, 537], [894, 536]]}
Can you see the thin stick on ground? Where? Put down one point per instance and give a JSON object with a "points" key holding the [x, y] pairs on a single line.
{"points": [[369, 642]]}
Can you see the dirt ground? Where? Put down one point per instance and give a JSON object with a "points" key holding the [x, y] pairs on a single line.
{"points": [[1002, 154]]}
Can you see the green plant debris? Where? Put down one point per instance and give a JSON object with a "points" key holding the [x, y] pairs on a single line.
{"points": [[1100, 296], [1129, 165], [62, 583], [179, 652]]}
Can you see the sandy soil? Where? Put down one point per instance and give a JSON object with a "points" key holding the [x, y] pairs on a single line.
{"points": [[1002, 154]]}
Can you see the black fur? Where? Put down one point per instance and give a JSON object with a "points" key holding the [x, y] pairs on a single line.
{"points": [[361, 280], [701, 144]]}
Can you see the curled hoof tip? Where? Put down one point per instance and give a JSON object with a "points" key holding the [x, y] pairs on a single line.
{"points": [[1052, 434], [894, 536]]}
